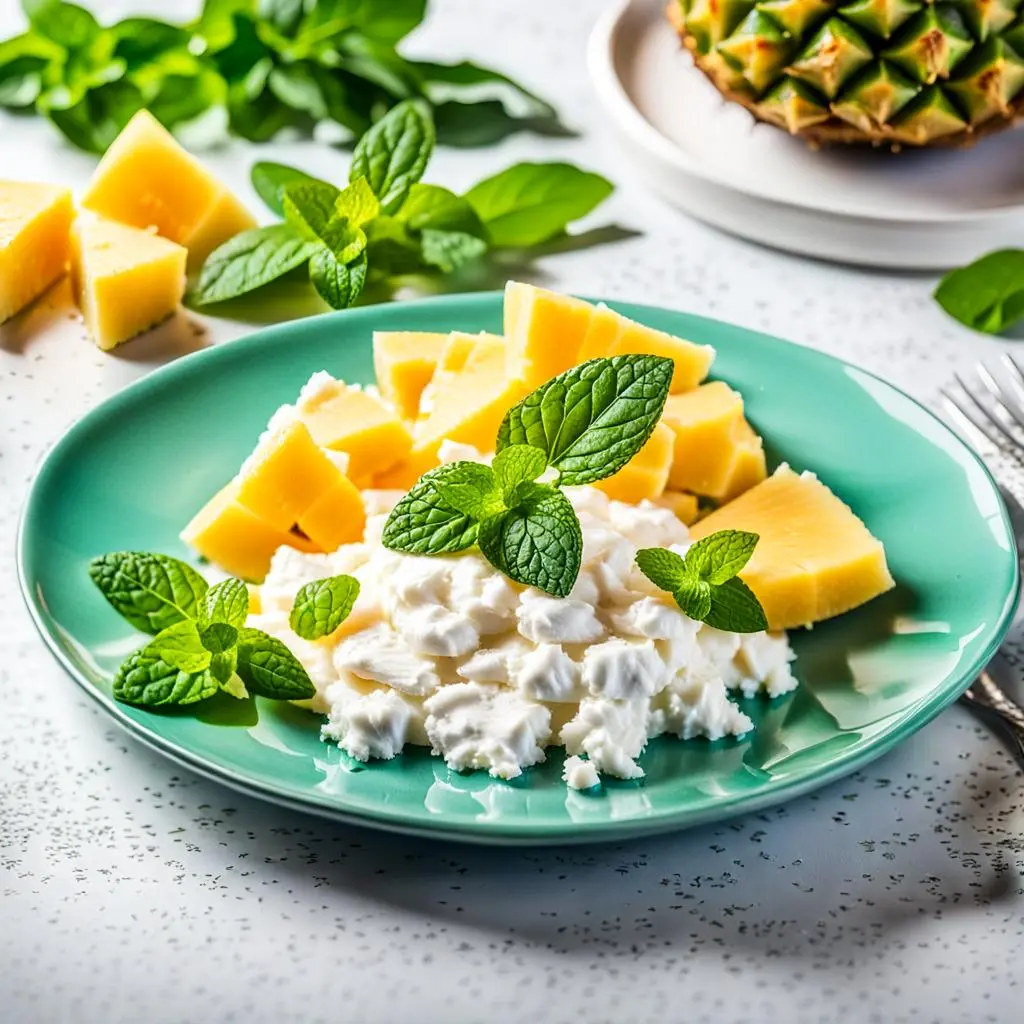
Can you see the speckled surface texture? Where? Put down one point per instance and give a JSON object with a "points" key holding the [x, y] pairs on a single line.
{"points": [[131, 890]]}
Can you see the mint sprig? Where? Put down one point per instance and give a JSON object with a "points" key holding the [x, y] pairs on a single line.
{"points": [[201, 644], [987, 295], [705, 583], [586, 424]]}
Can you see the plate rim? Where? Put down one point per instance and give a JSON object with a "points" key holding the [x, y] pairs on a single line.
{"points": [[624, 113], [483, 831]]}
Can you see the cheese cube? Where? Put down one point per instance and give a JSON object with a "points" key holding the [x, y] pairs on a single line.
{"points": [[748, 466], [685, 506], [404, 362], [349, 419], [236, 539], [456, 351], [147, 179], [286, 474], [404, 474], [544, 331], [35, 225], [814, 558], [646, 474], [469, 405], [125, 280], [703, 421], [336, 518], [612, 334]]}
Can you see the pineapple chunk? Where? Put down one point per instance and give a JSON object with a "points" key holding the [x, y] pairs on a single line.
{"points": [[815, 558], [35, 225], [612, 334], [285, 476], [646, 474], [125, 280], [404, 362], [336, 518], [148, 180], [404, 474], [456, 350], [236, 539], [348, 419], [685, 506], [704, 421], [468, 405], [544, 330], [748, 466]]}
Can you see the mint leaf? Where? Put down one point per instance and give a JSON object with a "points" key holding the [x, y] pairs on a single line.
{"points": [[664, 568], [150, 591], [434, 207], [450, 251], [322, 606], [466, 83], [233, 685], [423, 523], [393, 154], [337, 283], [720, 556], [310, 207], [539, 543], [180, 647], [222, 668], [219, 637], [517, 464], [269, 180], [227, 601], [71, 26], [357, 203], [249, 261], [269, 669], [592, 419], [987, 295], [470, 488], [531, 203], [735, 608], [150, 682], [694, 597]]}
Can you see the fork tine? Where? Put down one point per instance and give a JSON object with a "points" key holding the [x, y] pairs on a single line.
{"points": [[1016, 374], [985, 415], [999, 397], [965, 419]]}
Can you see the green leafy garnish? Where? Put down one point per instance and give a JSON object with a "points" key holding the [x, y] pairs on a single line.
{"points": [[987, 295], [269, 181], [147, 680], [424, 523], [181, 647], [227, 602], [705, 583], [269, 669], [322, 606]]}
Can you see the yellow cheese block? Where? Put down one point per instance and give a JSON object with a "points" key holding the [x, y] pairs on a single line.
{"points": [[404, 474], [469, 405], [646, 474], [544, 331], [704, 421], [236, 539], [148, 180], [286, 474], [748, 465], [611, 334], [349, 419], [35, 226], [815, 558], [125, 280], [336, 518], [685, 506], [404, 362]]}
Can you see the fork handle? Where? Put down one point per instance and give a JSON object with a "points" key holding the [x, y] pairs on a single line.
{"points": [[1008, 716], [995, 697]]}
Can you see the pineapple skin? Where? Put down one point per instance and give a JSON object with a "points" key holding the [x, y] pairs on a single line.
{"points": [[991, 99]]}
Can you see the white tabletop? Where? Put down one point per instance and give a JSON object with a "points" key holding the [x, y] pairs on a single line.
{"points": [[133, 890]]}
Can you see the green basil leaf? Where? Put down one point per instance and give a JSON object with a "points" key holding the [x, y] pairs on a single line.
{"points": [[538, 543], [592, 419], [219, 637], [269, 180], [181, 647], [393, 154], [71, 26], [178, 98], [269, 669], [150, 591], [227, 601], [249, 261], [517, 464], [431, 206], [987, 295], [322, 606], [259, 117], [387, 21], [470, 488], [720, 556], [735, 608], [664, 568], [338, 284], [450, 251], [378, 66], [140, 41], [357, 203], [694, 597], [150, 682], [423, 523], [531, 203], [297, 87]]}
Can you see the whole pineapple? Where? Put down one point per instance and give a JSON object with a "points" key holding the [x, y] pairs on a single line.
{"points": [[882, 71]]}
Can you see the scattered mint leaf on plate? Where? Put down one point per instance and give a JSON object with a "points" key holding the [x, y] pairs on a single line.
{"points": [[269, 669], [664, 568], [322, 606], [181, 647], [735, 607], [150, 591], [148, 681], [987, 295], [720, 556], [694, 597]]}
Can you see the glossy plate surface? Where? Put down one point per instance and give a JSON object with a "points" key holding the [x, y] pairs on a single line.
{"points": [[132, 472]]}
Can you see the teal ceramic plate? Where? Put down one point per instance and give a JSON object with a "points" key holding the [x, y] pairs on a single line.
{"points": [[133, 471]]}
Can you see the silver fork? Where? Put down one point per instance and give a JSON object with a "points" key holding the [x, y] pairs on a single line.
{"points": [[995, 410]]}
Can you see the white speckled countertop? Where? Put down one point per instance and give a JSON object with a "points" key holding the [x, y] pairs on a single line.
{"points": [[131, 890]]}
